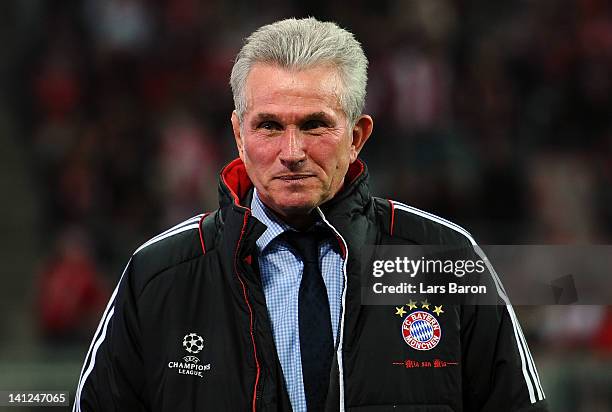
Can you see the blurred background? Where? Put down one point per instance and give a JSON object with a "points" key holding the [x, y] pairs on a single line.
{"points": [[114, 122]]}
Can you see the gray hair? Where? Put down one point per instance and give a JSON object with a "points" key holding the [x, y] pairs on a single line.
{"points": [[301, 44]]}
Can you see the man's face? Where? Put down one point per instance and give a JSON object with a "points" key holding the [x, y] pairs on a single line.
{"points": [[295, 140]]}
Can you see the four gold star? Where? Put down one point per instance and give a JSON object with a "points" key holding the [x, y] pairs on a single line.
{"points": [[400, 311]]}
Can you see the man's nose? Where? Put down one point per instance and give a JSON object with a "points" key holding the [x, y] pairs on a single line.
{"points": [[292, 148]]}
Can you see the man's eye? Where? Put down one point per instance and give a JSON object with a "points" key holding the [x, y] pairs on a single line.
{"points": [[268, 125], [313, 124]]}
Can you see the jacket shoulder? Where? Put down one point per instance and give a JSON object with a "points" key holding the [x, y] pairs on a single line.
{"points": [[172, 247], [410, 224]]}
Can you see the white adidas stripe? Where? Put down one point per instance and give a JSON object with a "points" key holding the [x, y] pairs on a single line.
{"points": [[189, 224], [93, 356], [90, 355], [527, 363], [535, 369], [531, 364], [163, 235], [516, 325]]}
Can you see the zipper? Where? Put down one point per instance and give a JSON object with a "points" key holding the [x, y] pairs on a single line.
{"points": [[342, 311], [258, 386], [256, 389]]}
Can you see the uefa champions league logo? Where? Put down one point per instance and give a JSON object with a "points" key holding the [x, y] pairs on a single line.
{"points": [[190, 365]]}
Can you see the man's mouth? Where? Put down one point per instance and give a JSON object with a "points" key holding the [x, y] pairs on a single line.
{"points": [[293, 177]]}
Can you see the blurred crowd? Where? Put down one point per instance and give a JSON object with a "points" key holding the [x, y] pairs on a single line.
{"points": [[493, 114]]}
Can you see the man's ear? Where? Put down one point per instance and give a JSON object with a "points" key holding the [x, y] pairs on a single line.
{"points": [[361, 133], [237, 135]]}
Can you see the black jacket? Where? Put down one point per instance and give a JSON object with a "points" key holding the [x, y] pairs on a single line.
{"points": [[187, 327]]}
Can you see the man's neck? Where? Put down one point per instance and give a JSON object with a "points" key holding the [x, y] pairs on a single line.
{"points": [[299, 222]]}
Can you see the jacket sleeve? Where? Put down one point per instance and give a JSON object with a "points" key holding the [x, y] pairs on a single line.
{"points": [[111, 377], [499, 372]]}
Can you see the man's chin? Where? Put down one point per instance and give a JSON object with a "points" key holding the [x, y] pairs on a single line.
{"points": [[298, 215], [303, 208], [293, 207]]}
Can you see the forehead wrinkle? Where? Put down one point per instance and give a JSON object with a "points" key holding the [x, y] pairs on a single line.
{"points": [[293, 108], [296, 96], [289, 89]]}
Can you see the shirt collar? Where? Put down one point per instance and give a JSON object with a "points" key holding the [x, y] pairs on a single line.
{"points": [[275, 227]]}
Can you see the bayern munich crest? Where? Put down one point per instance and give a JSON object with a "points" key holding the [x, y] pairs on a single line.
{"points": [[420, 329]]}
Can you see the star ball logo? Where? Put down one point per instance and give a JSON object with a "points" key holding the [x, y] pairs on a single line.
{"points": [[193, 343], [420, 329]]}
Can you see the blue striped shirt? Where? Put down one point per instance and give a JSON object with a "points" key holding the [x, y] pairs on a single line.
{"points": [[281, 272]]}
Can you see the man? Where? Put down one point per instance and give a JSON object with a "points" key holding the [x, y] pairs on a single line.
{"points": [[233, 311]]}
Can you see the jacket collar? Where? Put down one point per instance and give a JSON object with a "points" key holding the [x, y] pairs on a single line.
{"points": [[236, 193], [235, 187]]}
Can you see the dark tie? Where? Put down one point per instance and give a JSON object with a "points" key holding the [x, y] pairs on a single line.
{"points": [[316, 338]]}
